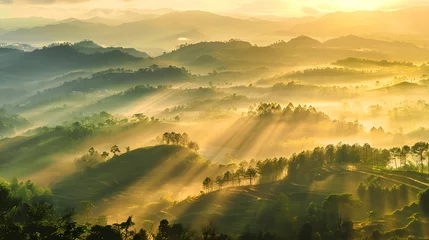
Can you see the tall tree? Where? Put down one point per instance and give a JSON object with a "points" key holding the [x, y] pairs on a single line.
{"points": [[396, 153], [419, 149], [405, 150], [251, 174]]}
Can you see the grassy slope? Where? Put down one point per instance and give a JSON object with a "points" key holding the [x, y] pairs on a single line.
{"points": [[234, 207], [142, 170]]}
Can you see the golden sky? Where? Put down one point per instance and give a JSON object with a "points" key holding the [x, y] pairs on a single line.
{"points": [[291, 8]]}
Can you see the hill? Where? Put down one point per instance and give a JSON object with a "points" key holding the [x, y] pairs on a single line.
{"points": [[233, 208], [67, 30], [14, 23], [299, 42], [404, 87], [90, 47], [366, 63], [406, 21], [159, 32], [58, 59], [145, 170], [9, 124]]}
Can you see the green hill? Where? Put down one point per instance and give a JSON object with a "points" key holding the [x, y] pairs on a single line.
{"points": [[144, 170], [58, 59], [90, 47], [233, 208]]}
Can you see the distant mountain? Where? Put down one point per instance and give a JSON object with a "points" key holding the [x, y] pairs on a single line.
{"points": [[300, 50], [397, 50], [18, 46], [51, 61], [299, 42], [404, 87], [190, 53], [14, 23], [90, 47], [71, 30], [156, 32], [113, 80], [405, 21]]}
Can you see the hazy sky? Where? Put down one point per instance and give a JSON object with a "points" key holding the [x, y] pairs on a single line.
{"points": [[291, 8]]}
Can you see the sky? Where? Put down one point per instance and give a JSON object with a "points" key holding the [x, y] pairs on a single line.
{"points": [[286, 8]]}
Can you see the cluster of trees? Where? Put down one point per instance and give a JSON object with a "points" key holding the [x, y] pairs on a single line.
{"points": [[231, 178], [420, 150], [330, 220], [415, 111], [290, 112], [27, 212], [93, 157], [359, 62], [180, 140], [34, 216], [332, 72], [301, 164], [269, 170], [377, 199], [9, 124], [225, 102], [308, 114]]}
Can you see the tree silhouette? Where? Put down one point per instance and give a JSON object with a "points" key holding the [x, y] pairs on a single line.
{"points": [[104, 155], [251, 174], [337, 206], [419, 149], [405, 150], [219, 182], [91, 151], [396, 153], [207, 184], [115, 149], [142, 235], [193, 146]]}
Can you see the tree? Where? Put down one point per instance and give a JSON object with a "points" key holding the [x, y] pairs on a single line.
{"points": [[140, 117], [396, 153], [127, 149], [207, 184], [7, 199], [104, 155], [419, 149], [219, 182], [240, 173], [91, 151], [337, 207], [163, 230], [193, 146], [115, 149], [166, 138], [405, 150], [209, 231], [251, 174], [227, 177], [142, 235], [124, 228]]}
